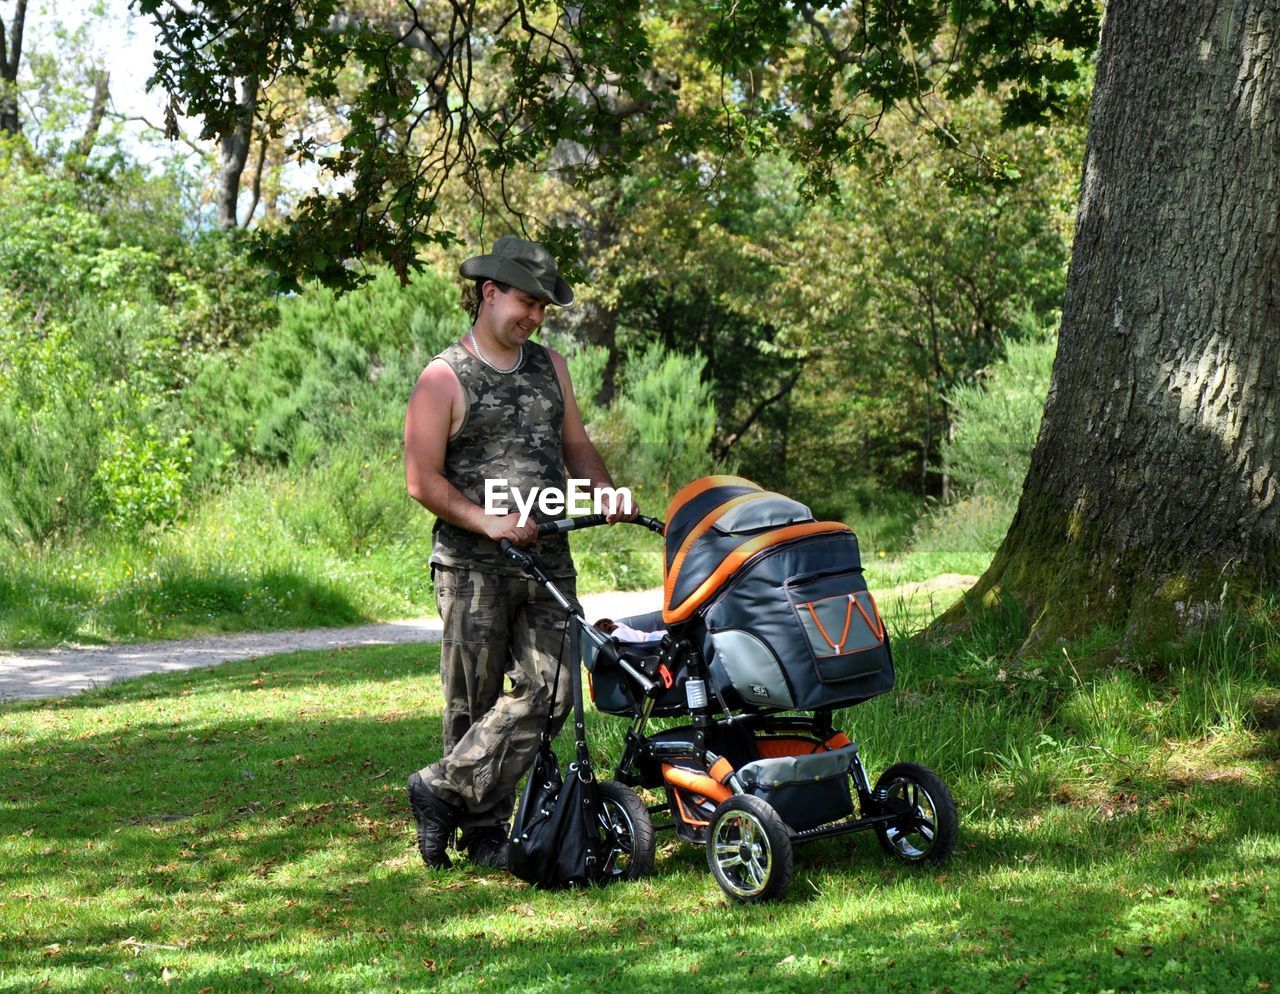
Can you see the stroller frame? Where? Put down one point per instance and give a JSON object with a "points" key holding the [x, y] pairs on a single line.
{"points": [[749, 842]]}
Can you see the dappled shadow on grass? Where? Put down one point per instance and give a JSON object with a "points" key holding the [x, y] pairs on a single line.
{"points": [[253, 834]]}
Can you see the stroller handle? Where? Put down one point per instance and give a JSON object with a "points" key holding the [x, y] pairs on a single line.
{"points": [[532, 565], [592, 520]]}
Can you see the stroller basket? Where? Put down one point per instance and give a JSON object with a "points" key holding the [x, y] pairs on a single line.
{"points": [[806, 791]]}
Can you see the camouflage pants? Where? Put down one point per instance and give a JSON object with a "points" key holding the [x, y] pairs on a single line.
{"points": [[495, 625]]}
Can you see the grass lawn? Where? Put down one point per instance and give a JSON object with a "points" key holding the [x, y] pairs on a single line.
{"points": [[245, 829]]}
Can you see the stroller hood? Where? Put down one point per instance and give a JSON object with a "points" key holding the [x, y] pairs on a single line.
{"points": [[715, 525]]}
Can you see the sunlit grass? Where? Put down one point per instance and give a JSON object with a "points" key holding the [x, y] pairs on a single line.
{"points": [[244, 829]]}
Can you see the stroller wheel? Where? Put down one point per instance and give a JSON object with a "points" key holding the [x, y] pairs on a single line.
{"points": [[627, 824], [749, 850], [928, 828]]}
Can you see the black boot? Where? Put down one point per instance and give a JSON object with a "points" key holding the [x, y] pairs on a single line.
{"points": [[437, 822], [486, 845]]}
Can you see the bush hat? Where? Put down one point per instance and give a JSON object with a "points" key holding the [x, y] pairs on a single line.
{"points": [[523, 264]]}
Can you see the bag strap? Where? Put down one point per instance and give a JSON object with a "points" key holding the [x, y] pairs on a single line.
{"points": [[590, 793], [555, 686], [579, 711]]}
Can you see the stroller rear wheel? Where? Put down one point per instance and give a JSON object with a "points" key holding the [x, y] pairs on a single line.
{"points": [[927, 830], [626, 820], [749, 850]]}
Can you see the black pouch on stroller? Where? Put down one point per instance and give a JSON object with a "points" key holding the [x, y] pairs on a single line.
{"points": [[806, 791]]}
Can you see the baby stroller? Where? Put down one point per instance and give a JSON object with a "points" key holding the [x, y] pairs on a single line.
{"points": [[766, 628]]}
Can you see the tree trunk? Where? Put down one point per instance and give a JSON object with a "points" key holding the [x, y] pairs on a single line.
{"points": [[10, 60], [233, 153], [1151, 501], [98, 109]]}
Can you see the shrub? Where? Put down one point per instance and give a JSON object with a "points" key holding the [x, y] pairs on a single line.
{"points": [[141, 476], [657, 436], [50, 427], [997, 421], [334, 371]]}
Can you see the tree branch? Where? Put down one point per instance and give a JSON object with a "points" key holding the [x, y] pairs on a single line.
{"points": [[723, 450], [101, 93], [156, 127], [257, 178]]}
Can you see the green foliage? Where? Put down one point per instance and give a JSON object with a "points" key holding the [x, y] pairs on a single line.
{"points": [[593, 93], [662, 425], [49, 432], [109, 308], [224, 299], [997, 421], [998, 418], [53, 250], [586, 371], [141, 477], [973, 523], [85, 427], [334, 371]]}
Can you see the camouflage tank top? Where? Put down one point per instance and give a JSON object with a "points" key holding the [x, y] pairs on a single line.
{"points": [[511, 429]]}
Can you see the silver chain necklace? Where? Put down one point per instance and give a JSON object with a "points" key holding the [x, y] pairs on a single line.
{"points": [[485, 359]]}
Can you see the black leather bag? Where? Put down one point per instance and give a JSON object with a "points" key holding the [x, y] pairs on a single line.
{"points": [[558, 838]]}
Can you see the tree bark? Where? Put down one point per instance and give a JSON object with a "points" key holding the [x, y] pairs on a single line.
{"points": [[10, 60], [255, 188], [1151, 500], [233, 153], [101, 94]]}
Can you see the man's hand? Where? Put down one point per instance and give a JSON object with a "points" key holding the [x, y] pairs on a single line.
{"points": [[631, 513], [498, 527]]}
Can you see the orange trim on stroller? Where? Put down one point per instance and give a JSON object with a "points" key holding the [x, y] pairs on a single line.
{"points": [[671, 615], [772, 748], [695, 783], [776, 747], [703, 526], [701, 486], [877, 627], [848, 617]]}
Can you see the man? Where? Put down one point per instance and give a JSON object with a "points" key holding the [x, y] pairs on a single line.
{"points": [[494, 405]]}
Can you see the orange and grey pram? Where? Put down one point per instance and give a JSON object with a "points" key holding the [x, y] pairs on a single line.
{"points": [[767, 628]]}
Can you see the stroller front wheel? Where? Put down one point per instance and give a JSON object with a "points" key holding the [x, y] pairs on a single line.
{"points": [[626, 821], [749, 850], [927, 829]]}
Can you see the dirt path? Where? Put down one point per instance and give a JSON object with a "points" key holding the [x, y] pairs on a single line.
{"points": [[36, 673], [944, 581], [39, 673]]}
